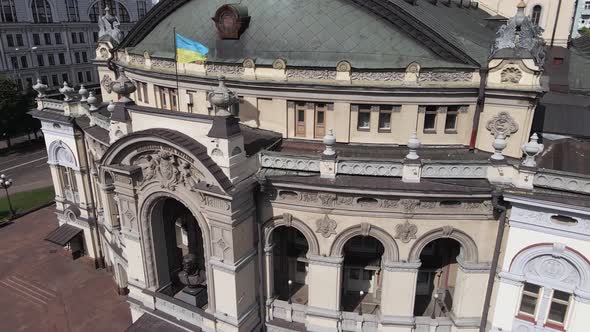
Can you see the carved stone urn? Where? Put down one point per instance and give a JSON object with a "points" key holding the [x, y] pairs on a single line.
{"points": [[329, 141], [124, 87], [222, 98], [531, 150], [413, 145], [83, 93], [67, 91], [499, 145], [92, 101], [40, 88]]}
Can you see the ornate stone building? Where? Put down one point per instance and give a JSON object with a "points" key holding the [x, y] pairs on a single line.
{"points": [[353, 168]]}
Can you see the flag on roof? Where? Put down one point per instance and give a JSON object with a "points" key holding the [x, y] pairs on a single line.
{"points": [[189, 50]]}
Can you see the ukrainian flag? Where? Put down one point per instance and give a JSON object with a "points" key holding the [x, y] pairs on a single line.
{"points": [[189, 51]]}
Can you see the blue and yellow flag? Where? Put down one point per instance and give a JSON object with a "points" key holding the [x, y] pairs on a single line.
{"points": [[189, 51]]}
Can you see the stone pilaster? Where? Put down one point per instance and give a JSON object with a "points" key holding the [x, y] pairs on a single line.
{"points": [[325, 283]]}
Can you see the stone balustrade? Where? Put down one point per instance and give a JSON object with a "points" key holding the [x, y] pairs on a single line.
{"points": [[562, 181]]}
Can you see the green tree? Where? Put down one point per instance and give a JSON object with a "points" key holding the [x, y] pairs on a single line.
{"points": [[14, 105], [584, 31]]}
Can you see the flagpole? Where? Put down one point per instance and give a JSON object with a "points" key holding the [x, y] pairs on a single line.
{"points": [[176, 67]]}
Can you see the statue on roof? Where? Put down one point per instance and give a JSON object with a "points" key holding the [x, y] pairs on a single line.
{"points": [[109, 26], [520, 33]]}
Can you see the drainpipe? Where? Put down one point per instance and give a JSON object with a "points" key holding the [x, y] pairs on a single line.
{"points": [[499, 205], [262, 302], [483, 73], [555, 25]]}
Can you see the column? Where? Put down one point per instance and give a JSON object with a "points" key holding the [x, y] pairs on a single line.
{"points": [[506, 302], [324, 280], [268, 274], [469, 295], [398, 295], [579, 319]]}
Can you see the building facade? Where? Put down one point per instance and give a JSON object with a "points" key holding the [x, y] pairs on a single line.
{"points": [[55, 40], [555, 17], [581, 18], [332, 166]]}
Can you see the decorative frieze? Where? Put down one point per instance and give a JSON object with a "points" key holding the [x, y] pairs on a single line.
{"points": [[369, 168], [137, 60], [219, 69], [566, 182], [311, 74], [291, 163], [214, 202], [455, 171], [445, 76], [163, 64], [384, 76]]}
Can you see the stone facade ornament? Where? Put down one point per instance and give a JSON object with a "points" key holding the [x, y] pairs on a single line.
{"points": [[109, 26], [413, 145], [447, 231], [279, 64], [329, 141], [406, 232], [92, 101], [388, 76], [445, 77], [503, 124], [343, 67], [499, 145], [531, 150], [231, 70], [249, 63], [67, 91], [326, 226], [124, 87], [365, 229], [311, 74], [511, 75], [409, 205], [169, 170], [106, 83], [40, 88], [83, 93]]}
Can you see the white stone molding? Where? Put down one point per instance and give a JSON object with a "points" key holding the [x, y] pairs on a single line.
{"points": [[457, 171], [59, 153], [325, 260], [290, 162], [391, 252], [562, 181], [552, 265], [401, 266], [540, 219], [354, 167], [469, 249], [289, 221]]}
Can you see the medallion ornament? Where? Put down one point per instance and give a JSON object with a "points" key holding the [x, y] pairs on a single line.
{"points": [[503, 124], [169, 170], [406, 232], [326, 226], [511, 75]]}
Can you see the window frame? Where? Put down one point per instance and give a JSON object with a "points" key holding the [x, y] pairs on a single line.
{"points": [[19, 40], [51, 59], [24, 62], [88, 75], [72, 10], [363, 110], [47, 38], [384, 111], [430, 110], [40, 60], [36, 39], [8, 5], [58, 40], [552, 323], [41, 11], [454, 112], [536, 14], [538, 296]]}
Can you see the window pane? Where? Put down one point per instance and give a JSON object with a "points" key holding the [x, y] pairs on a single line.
{"points": [[528, 304], [354, 274], [384, 120], [532, 288], [364, 120], [451, 121], [301, 116], [367, 275], [429, 121], [320, 117], [557, 312]]}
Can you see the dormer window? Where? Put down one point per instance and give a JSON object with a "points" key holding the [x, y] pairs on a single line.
{"points": [[231, 21]]}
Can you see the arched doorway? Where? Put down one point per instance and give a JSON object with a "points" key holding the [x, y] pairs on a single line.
{"points": [[290, 264], [179, 252], [361, 275], [437, 276]]}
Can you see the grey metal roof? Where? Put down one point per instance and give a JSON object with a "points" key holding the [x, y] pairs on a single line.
{"points": [[63, 234], [371, 34]]}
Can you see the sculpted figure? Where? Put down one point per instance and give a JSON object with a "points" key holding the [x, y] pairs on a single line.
{"points": [[191, 276]]}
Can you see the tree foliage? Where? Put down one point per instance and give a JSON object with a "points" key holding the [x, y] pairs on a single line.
{"points": [[14, 105], [585, 31]]}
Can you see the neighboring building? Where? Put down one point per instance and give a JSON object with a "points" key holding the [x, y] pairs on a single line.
{"points": [[353, 171], [55, 40], [554, 16], [581, 18]]}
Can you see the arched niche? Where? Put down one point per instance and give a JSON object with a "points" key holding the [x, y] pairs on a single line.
{"points": [[469, 250], [391, 252], [61, 154], [290, 221]]}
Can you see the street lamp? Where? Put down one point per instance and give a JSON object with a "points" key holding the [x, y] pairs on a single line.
{"points": [[433, 316], [361, 293], [290, 284], [6, 183]]}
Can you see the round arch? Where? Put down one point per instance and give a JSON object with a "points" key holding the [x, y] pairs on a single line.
{"points": [[44, 7], [118, 9], [468, 246], [391, 253], [154, 195], [59, 153], [289, 221], [553, 264]]}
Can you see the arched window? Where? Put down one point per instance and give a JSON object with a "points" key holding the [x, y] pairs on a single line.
{"points": [[41, 11], [536, 14], [72, 10], [7, 11], [117, 9]]}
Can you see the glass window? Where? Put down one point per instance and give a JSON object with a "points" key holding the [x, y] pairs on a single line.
{"points": [[84, 57], [47, 37], [51, 59], [117, 9], [384, 120], [64, 77], [10, 40], [364, 117], [72, 10], [14, 62], [54, 80], [88, 76], [36, 39], [7, 11], [41, 11], [141, 8], [145, 93], [95, 36], [77, 57], [81, 37], [58, 38], [558, 308], [536, 14], [430, 119], [321, 117], [451, 119], [23, 61], [62, 58], [354, 274], [40, 60], [44, 79], [367, 274], [74, 38], [587, 5], [139, 91], [80, 77], [301, 267], [530, 299], [19, 40]]}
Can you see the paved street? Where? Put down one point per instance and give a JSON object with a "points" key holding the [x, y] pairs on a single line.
{"points": [[27, 167], [43, 290]]}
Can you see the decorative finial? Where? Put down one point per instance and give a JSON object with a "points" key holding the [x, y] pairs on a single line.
{"points": [[124, 87], [40, 88], [499, 145], [83, 93], [67, 91], [92, 101], [111, 107], [222, 98], [531, 150], [413, 145], [520, 15], [329, 141]]}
